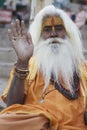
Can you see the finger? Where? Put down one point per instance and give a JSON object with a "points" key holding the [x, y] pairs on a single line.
{"points": [[23, 28], [29, 39], [10, 34], [18, 28], [13, 29]]}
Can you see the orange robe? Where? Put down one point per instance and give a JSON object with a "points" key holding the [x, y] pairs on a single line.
{"points": [[64, 114]]}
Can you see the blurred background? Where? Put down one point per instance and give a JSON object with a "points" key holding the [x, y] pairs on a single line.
{"points": [[10, 10]]}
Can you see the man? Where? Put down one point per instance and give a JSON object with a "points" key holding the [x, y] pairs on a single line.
{"points": [[47, 87]]}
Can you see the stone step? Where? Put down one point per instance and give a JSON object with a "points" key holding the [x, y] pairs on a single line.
{"points": [[7, 55], [85, 54], [84, 32], [5, 69], [4, 39]]}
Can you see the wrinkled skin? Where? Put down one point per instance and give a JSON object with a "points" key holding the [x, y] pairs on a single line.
{"points": [[21, 41]]}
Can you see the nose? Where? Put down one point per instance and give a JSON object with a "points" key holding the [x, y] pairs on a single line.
{"points": [[53, 33]]}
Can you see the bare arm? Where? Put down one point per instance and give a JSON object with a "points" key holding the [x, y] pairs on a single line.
{"points": [[16, 92], [23, 46]]}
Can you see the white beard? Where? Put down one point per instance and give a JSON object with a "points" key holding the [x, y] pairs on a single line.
{"points": [[57, 59]]}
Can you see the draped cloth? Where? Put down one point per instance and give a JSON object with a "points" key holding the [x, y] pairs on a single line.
{"points": [[50, 110], [23, 122]]}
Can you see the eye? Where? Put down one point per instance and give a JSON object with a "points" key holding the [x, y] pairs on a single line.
{"points": [[47, 29], [59, 27]]}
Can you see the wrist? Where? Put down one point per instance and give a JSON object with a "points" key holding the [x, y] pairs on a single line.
{"points": [[21, 73], [22, 65]]}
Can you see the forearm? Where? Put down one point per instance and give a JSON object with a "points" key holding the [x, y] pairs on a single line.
{"points": [[16, 92]]}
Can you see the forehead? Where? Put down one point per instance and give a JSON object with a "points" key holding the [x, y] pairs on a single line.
{"points": [[52, 21]]}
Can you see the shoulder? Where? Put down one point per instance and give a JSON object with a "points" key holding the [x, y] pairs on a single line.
{"points": [[32, 69]]}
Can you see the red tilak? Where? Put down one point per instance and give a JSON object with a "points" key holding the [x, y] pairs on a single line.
{"points": [[52, 21]]}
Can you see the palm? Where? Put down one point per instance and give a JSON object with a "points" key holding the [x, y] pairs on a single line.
{"points": [[21, 41]]}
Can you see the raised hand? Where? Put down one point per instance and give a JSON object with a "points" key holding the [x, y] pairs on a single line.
{"points": [[21, 41]]}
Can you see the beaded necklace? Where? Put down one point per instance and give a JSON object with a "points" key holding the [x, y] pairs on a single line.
{"points": [[63, 90], [67, 93]]}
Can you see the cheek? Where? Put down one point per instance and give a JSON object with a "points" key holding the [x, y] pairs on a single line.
{"points": [[45, 35], [62, 34]]}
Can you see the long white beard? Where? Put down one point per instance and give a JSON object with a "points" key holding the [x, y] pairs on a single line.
{"points": [[57, 59]]}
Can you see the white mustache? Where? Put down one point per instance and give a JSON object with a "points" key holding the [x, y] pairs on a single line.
{"points": [[50, 41], [55, 40]]}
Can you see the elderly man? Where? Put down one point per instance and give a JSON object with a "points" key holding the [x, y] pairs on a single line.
{"points": [[47, 89]]}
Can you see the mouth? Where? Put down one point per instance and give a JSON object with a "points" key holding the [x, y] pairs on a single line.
{"points": [[54, 42]]}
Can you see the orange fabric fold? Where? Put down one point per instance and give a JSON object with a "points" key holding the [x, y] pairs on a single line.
{"points": [[64, 114]]}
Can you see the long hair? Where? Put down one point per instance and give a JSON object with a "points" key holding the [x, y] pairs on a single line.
{"points": [[71, 29], [73, 43], [56, 60]]}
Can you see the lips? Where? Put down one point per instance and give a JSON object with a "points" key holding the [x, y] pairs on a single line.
{"points": [[53, 42]]}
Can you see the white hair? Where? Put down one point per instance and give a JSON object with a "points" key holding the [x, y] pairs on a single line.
{"points": [[71, 29], [69, 55], [56, 59]]}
